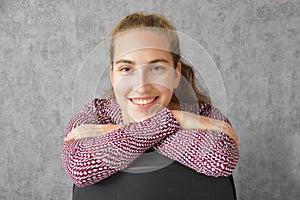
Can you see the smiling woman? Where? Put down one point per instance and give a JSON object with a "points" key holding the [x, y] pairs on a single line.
{"points": [[148, 111]]}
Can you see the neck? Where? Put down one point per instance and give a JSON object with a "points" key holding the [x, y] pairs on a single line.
{"points": [[174, 106]]}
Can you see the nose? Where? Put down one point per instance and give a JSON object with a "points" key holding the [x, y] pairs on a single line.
{"points": [[142, 83]]}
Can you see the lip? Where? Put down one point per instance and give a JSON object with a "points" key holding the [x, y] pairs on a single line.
{"points": [[144, 102]]}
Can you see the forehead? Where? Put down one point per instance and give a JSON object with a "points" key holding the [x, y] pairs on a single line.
{"points": [[136, 40], [144, 56]]}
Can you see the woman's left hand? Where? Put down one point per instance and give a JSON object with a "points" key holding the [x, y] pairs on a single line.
{"points": [[90, 130], [189, 120]]}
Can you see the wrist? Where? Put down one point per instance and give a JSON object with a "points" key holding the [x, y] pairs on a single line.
{"points": [[177, 115]]}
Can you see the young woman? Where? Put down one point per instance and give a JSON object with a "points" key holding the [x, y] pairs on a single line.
{"points": [[150, 110]]}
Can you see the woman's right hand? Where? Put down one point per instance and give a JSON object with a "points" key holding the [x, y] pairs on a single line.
{"points": [[89, 131], [189, 120]]}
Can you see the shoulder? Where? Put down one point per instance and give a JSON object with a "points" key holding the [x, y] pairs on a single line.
{"points": [[205, 109], [101, 103], [104, 103], [197, 107]]}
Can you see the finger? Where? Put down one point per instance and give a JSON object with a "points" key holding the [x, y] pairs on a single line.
{"points": [[227, 129], [90, 131], [78, 138], [216, 125], [88, 128], [75, 134], [66, 139], [69, 137], [231, 133], [80, 131]]}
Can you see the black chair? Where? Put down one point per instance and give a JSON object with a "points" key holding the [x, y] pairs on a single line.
{"points": [[173, 182]]}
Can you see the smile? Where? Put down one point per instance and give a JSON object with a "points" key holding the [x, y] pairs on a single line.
{"points": [[143, 101]]}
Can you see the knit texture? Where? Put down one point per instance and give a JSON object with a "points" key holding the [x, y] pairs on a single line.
{"points": [[91, 160]]}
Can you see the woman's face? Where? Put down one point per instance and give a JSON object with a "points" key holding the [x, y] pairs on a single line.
{"points": [[143, 75]]}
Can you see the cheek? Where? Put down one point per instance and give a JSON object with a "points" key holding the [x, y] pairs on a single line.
{"points": [[166, 94], [166, 81], [121, 86]]}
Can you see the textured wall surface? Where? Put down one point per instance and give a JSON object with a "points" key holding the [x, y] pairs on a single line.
{"points": [[256, 47]]}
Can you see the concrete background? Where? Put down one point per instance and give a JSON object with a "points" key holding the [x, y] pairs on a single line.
{"points": [[255, 44]]}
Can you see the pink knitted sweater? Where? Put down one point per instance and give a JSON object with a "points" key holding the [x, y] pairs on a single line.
{"points": [[91, 160]]}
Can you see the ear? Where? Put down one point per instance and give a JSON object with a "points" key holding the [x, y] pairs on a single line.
{"points": [[111, 75], [178, 75]]}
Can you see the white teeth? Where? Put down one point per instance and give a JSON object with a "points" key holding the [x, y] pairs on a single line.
{"points": [[143, 101]]}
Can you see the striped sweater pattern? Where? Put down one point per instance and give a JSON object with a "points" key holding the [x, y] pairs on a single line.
{"points": [[90, 160]]}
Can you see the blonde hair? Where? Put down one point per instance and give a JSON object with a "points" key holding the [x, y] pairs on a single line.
{"points": [[160, 23]]}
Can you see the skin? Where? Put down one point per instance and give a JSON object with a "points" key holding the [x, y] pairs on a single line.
{"points": [[143, 82], [187, 121], [143, 78]]}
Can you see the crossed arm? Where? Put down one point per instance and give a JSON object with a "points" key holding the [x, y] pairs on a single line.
{"points": [[93, 159]]}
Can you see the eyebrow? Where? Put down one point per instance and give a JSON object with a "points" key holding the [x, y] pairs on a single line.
{"points": [[125, 61], [150, 62]]}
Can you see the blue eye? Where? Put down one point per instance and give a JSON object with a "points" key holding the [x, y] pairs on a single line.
{"points": [[157, 68]]}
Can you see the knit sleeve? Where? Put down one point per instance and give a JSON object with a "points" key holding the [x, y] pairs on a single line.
{"points": [[212, 153], [91, 160]]}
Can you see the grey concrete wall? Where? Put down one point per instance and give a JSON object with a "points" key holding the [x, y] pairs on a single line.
{"points": [[255, 44]]}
